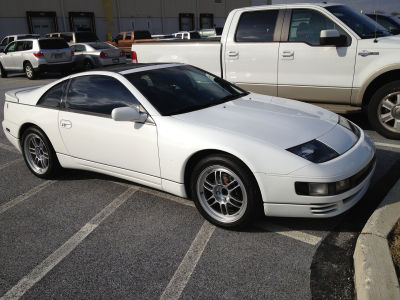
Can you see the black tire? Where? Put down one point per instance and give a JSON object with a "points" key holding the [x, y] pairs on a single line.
{"points": [[376, 110], [3, 73], [29, 154], [216, 211], [87, 65], [29, 71]]}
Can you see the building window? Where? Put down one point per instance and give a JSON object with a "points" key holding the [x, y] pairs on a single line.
{"points": [[206, 21], [82, 21], [186, 22], [42, 22]]}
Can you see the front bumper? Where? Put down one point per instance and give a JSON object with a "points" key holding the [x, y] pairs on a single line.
{"points": [[280, 197]]}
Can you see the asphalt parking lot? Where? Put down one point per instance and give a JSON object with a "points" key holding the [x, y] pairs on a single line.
{"points": [[86, 235]]}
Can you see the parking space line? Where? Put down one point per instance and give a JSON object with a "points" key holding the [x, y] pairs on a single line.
{"points": [[160, 194], [294, 234], [8, 148], [57, 256], [387, 145], [182, 274], [6, 206], [10, 163]]}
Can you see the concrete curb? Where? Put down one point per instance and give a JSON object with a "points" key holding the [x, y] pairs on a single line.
{"points": [[374, 273]]}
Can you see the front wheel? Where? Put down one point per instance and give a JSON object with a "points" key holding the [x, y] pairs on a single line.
{"points": [[29, 71], [39, 154], [225, 191], [384, 110]]}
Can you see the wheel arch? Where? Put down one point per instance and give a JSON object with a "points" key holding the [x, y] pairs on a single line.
{"points": [[380, 80], [197, 156]]}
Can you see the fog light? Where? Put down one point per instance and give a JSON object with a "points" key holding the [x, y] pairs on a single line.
{"points": [[318, 189], [342, 186]]}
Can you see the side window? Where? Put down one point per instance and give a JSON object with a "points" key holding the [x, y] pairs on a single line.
{"points": [[20, 46], [128, 36], [27, 45], [10, 39], [11, 47], [52, 98], [118, 37], [98, 94], [78, 48], [4, 42], [306, 26], [256, 26]]}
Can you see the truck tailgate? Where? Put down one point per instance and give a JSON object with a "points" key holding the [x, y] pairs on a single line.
{"points": [[203, 54]]}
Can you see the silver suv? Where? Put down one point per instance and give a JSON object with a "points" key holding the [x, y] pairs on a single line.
{"points": [[36, 55]]}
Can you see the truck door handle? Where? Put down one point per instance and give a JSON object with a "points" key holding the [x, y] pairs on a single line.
{"points": [[287, 54], [65, 124], [233, 53]]}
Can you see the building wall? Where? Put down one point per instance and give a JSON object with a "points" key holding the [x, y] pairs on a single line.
{"points": [[157, 16]]}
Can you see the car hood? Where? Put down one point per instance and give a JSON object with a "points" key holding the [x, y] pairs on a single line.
{"points": [[386, 42], [282, 122]]}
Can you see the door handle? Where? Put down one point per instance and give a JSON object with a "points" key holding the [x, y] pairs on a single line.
{"points": [[365, 53], [65, 124], [287, 54], [233, 53]]}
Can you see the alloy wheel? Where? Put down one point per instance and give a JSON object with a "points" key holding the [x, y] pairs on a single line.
{"points": [[36, 153], [389, 112]]}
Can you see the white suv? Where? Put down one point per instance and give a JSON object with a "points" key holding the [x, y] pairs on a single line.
{"points": [[36, 55]]}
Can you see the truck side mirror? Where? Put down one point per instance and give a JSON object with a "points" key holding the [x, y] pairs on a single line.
{"points": [[332, 37]]}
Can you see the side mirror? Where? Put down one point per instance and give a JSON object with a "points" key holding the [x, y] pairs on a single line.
{"points": [[129, 114], [332, 37]]}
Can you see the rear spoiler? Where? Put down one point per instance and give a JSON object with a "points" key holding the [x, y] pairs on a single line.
{"points": [[11, 96]]}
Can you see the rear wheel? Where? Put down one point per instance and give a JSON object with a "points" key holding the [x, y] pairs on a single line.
{"points": [[29, 71], [225, 191], [39, 154], [384, 110], [87, 64], [3, 73]]}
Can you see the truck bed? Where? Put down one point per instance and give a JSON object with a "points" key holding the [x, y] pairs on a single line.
{"points": [[205, 54]]}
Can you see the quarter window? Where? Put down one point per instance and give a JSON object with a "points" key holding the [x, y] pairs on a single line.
{"points": [[52, 98], [257, 26], [306, 26], [98, 94], [27, 45]]}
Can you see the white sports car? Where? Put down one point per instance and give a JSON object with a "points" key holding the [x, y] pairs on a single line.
{"points": [[182, 130]]}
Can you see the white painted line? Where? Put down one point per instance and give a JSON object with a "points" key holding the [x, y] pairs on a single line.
{"points": [[182, 274], [10, 163], [8, 148], [294, 234], [387, 145], [160, 194], [57, 256], [6, 206]]}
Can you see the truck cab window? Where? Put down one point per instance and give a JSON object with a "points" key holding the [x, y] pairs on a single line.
{"points": [[306, 26], [256, 26]]}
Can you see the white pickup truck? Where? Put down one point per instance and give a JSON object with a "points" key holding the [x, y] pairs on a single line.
{"points": [[321, 53]]}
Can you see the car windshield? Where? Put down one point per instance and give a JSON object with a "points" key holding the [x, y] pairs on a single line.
{"points": [[360, 24], [181, 89], [84, 36], [100, 46], [53, 44]]}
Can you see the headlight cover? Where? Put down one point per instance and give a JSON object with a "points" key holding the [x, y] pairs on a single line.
{"points": [[314, 151], [348, 125]]}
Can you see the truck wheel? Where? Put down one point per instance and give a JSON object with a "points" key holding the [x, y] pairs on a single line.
{"points": [[3, 73], [29, 71], [384, 110]]}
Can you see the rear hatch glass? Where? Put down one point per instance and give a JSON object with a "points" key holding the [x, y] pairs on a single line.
{"points": [[53, 44]]}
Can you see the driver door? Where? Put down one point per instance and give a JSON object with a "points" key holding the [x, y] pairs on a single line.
{"points": [[8, 59], [96, 141], [309, 71]]}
